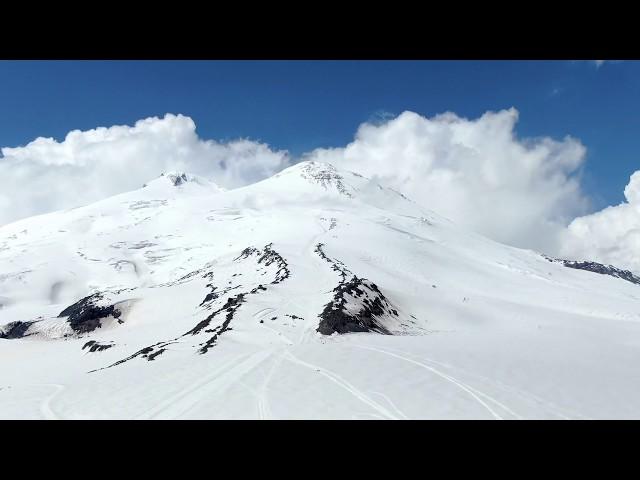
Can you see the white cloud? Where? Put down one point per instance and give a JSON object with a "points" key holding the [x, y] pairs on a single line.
{"points": [[611, 235], [47, 175], [476, 172], [600, 63]]}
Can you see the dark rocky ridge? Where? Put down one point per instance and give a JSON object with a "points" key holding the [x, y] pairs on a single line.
{"points": [[232, 304], [15, 330], [150, 353], [336, 265], [85, 316], [94, 346], [373, 305], [266, 255], [177, 179], [598, 268], [336, 318], [270, 256]]}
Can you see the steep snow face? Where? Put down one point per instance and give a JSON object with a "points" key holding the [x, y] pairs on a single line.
{"points": [[316, 293], [322, 182]]}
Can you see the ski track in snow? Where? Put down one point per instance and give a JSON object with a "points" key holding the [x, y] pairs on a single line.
{"points": [[393, 405], [449, 278], [264, 407], [553, 408], [215, 383], [471, 391], [344, 384], [45, 406]]}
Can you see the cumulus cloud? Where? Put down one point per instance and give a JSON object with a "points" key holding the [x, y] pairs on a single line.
{"points": [[476, 172], [86, 166], [611, 235]]}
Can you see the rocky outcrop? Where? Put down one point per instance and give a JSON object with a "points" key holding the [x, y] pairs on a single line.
{"points": [[86, 315], [15, 330], [358, 305], [94, 346], [598, 268]]}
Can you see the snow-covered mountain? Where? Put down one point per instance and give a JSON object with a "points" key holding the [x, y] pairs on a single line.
{"points": [[316, 293]]}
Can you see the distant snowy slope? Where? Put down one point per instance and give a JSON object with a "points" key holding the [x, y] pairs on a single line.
{"points": [[316, 293]]}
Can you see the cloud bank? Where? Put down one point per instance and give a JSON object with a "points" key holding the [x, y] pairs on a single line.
{"points": [[611, 235], [523, 192], [475, 172], [48, 175]]}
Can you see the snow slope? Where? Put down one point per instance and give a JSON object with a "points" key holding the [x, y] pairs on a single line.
{"points": [[316, 293]]}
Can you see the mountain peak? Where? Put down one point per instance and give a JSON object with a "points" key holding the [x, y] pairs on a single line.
{"points": [[176, 178], [325, 175], [254, 300]]}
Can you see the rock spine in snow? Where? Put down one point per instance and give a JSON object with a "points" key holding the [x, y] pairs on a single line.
{"points": [[357, 304]]}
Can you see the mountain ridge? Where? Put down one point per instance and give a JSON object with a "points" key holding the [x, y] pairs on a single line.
{"points": [[316, 293]]}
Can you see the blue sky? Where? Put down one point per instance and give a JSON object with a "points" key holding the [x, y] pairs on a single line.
{"points": [[299, 105]]}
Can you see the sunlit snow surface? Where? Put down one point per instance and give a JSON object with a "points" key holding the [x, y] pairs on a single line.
{"points": [[219, 297]]}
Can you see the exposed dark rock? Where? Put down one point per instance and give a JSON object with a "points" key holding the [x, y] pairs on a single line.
{"points": [[230, 307], [598, 268], [150, 353], [85, 316], [96, 347], [246, 253], [367, 304], [259, 287], [152, 356], [144, 351], [364, 318], [266, 256], [270, 256], [15, 330], [178, 179], [336, 265], [210, 296], [201, 325], [214, 294]]}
